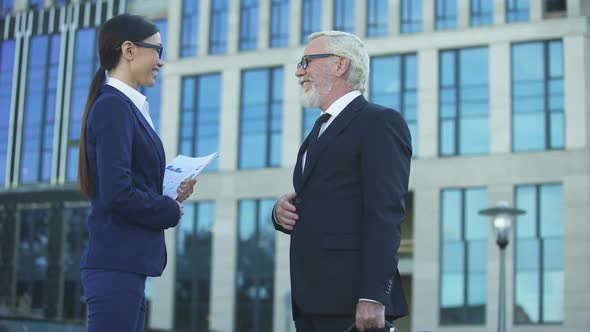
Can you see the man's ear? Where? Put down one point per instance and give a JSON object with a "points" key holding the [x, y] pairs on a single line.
{"points": [[343, 64], [127, 50]]}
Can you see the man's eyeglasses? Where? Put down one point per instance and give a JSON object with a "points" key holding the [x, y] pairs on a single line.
{"points": [[158, 48], [307, 58]]}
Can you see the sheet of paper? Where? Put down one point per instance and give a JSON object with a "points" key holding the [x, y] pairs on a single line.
{"points": [[181, 168]]}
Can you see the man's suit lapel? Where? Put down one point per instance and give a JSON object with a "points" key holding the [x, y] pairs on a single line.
{"points": [[297, 173], [339, 124], [146, 126]]}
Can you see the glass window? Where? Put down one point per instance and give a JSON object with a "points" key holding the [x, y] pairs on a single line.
{"points": [[41, 260], [74, 307], [517, 10], [36, 4], [310, 115], [394, 81], [446, 14], [538, 120], [6, 6], [539, 260], [32, 262], [219, 25], [39, 117], [311, 18], [344, 15], [7, 49], [377, 18], [464, 102], [248, 25], [154, 93], [256, 266], [261, 125], [8, 241], [279, 23], [85, 65], [190, 28], [555, 8], [193, 267], [411, 16], [482, 12], [463, 275], [199, 116]]}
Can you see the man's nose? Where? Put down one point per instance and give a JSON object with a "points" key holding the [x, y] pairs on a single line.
{"points": [[300, 71]]}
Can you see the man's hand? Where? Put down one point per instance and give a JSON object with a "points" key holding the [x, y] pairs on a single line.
{"points": [[370, 315], [185, 189], [285, 211]]}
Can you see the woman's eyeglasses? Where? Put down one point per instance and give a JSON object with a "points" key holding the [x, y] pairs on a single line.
{"points": [[158, 48]]}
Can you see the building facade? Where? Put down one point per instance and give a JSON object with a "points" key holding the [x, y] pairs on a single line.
{"points": [[495, 93]]}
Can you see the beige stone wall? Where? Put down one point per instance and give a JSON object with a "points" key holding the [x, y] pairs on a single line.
{"points": [[500, 171]]}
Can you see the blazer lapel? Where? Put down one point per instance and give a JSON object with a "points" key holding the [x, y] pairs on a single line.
{"points": [[297, 173], [339, 124], [146, 126]]}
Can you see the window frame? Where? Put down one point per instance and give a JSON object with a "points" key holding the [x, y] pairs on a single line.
{"points": [[339, 17], [465, 242], [442, 20], [308, 29], [514, 11], [268, 163], [196, 301], [404, 58], [374, 28], [218, 15], [457, 139], [259, 273], [546, 111], [477, 16], [247, 39], [196, 110], [407, 21], [541, 270]]}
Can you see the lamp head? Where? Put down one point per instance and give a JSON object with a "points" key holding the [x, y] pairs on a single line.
{"points": [[502, 215]]}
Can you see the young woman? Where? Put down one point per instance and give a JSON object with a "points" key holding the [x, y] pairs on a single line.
{"points": [[121, 170]]}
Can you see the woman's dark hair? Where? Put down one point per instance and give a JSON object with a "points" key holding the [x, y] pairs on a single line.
{"points": [[113, 33]]}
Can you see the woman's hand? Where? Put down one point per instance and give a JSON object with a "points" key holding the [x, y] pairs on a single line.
{"points": [[185, 189]]}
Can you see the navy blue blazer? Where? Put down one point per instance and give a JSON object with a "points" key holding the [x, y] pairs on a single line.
{"points": [[129, 214], [350, 203]]}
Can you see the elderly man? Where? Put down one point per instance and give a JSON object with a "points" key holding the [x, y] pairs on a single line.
{"points": [[350, 180]]}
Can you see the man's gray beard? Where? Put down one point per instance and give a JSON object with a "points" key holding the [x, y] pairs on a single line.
{"points": [[313, 98], [310, 99]]}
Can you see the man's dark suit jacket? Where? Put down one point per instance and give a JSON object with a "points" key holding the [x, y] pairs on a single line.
{"points": [[129, 213], [350, 203]]}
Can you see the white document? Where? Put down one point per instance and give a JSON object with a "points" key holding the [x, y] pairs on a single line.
{"points": [[182, 168]]}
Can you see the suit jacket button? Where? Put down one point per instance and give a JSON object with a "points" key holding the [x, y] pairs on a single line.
{"points": [[298, 200]]}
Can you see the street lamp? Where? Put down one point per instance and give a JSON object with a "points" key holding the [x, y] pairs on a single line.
{"points": [[501, 216]]}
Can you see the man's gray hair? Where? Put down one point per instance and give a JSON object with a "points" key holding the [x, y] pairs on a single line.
{"points": [[347, 45]]}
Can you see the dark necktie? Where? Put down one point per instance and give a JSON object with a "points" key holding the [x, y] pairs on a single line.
{"points": [[313, 136]]}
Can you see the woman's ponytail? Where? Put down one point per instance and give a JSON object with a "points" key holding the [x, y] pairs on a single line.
{"points": [[84, 177]]}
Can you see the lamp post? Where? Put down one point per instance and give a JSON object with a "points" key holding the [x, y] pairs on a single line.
{"points": [[501, 216]]}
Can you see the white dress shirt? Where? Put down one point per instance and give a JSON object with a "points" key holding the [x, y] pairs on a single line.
{"points": [[334, 110], [139, 100]]}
